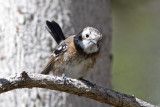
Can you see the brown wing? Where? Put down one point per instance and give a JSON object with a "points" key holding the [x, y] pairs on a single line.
{"points": [[57, 54], [48, 67]]}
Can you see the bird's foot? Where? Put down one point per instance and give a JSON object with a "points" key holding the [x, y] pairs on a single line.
{"points": [[83, 79], [87, 82]]}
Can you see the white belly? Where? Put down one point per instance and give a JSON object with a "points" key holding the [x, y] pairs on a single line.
{"points": [[78, 70], [75, 69]]}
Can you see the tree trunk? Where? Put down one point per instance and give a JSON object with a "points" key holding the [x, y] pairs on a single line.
{"points": [[26, 45], [97, 14]]}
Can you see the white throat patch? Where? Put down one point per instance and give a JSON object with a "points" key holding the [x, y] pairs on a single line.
{"points": [[88, 46]]}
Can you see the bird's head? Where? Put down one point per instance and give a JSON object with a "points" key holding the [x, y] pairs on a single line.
{"points": [[88, 40]]}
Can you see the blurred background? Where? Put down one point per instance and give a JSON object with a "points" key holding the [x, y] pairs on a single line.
{"points": [[136, 48]]}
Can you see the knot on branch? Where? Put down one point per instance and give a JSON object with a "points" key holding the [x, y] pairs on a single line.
{"points": [[24, 76]]}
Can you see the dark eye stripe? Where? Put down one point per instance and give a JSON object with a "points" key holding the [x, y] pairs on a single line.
{"points": [[80, 37]]}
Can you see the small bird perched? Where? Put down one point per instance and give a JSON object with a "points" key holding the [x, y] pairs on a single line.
{"points": [[75, 55]]}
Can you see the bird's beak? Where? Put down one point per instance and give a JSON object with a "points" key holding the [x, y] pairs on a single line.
{"points": [[94, 41]]}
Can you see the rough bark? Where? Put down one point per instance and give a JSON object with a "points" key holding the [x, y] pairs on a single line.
{"points": [[25, 45], [73, 86]]}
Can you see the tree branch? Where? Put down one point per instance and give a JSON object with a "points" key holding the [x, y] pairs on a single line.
{"points": [[78, 87]]}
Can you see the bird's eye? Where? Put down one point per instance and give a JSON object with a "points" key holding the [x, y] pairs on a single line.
{"points": [[87, 35]]}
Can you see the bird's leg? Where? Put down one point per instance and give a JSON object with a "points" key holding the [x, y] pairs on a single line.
{"points": [[64, 77]]}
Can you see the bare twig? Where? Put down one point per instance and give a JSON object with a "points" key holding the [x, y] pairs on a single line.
{"points": [[78, 87]]}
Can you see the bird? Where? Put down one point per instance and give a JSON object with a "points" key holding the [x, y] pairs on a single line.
{"points": [[75, 56]]}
